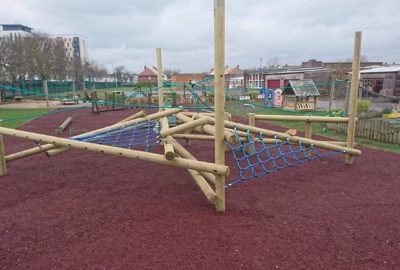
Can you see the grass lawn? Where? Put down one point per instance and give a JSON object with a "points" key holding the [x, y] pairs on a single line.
{"points": [[99, 91], [318, 128], [13, 118]]}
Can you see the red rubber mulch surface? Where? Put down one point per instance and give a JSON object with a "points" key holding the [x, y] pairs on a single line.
{"points": [[82, 210]]}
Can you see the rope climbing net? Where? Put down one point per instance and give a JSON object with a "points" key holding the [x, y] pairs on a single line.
{"points": [[138, 136], [254, 157]]}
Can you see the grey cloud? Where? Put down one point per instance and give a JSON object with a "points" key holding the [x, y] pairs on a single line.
{"points": [[127, 32]]}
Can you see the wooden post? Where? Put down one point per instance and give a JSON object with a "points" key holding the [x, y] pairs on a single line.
{"points": [[159, 80], [351, 128], [346, 109], [46, 92], [308, 134], [252, 122], [219, 102], [3, 163], [332, 93]]}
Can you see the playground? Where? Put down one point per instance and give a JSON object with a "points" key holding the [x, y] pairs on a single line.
{"points": [[169, 178], [81, 209]]}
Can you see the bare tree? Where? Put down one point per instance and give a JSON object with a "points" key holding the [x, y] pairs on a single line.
{"points": [[170, 71], [14, 59], [273, 62], [43, 57], [60, 61]]}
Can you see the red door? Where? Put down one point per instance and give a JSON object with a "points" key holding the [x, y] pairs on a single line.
{"points": [[274, 84]]}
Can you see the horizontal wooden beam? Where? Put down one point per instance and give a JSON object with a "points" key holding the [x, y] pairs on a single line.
{"points": [[299, 118], [285, 137], [30, 152]]}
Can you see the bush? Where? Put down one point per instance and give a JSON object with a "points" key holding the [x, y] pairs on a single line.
{"points": [[253, 94], [387, 111], [363, 106]]}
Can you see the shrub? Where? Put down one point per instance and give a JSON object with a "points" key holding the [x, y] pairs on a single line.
{"points": [[363, 106], [387, 111]]}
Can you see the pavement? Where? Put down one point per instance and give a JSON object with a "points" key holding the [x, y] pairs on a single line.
{"points": [[39, 104]]}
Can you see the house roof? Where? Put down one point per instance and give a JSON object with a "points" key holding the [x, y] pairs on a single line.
{"points": [[230, 71], [301, 88], [395, 68], [149, 71]]}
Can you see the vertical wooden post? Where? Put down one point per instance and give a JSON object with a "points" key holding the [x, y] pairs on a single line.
{"points": [[308, 133], [3, 164], [159, 80], [46, 92], [332, 93], [219, 102], [252, 122], [351, 128], [346, 108]]}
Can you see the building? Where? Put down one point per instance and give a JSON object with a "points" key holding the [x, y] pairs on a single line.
{"points": [[234, 77], [75, 45], [15, 30], [186, 78], [343, 68], [274, 78], [149, 75], [382, 80]]}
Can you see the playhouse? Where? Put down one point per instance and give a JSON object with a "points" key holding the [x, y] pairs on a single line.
{"points": [[300, 95]]}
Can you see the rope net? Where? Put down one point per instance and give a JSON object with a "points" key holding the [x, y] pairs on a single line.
{"points": [[254, 157], [138, 136]]}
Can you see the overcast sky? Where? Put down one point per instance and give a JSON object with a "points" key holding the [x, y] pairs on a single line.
{"points": [[126, 32]]}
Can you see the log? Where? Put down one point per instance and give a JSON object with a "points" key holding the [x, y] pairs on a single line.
{"points": [[194, 137], [297, 118], [209, 129], [351, 127], [219, 101], [153, 116], [30, 152], [134, 154], [186, 154], [140, 114], [204, 186], [64, 125], [168, 148], [3, 163], [183, 127], [285, 137]]}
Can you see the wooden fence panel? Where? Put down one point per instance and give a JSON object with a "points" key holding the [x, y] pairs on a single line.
{"points": [[373, 129]]}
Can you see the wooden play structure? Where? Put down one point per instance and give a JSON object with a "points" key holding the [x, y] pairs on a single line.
{"points": [[300, 95], [119, 139], [111, 101]]}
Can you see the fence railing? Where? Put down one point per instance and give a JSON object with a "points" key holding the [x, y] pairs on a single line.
{"points": [[373, 129]]}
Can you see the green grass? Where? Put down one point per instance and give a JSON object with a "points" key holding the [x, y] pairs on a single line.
{"points": [[13, 118], [99, 91], [318, 128]]}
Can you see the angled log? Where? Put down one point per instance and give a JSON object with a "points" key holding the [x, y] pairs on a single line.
{"points": [[134, 154]]}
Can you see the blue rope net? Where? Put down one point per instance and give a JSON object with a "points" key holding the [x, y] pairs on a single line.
{"points": [[255, 158], [138, 136]]}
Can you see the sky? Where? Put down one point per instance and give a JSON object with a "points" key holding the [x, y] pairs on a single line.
{"points": [[126, 32]]}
